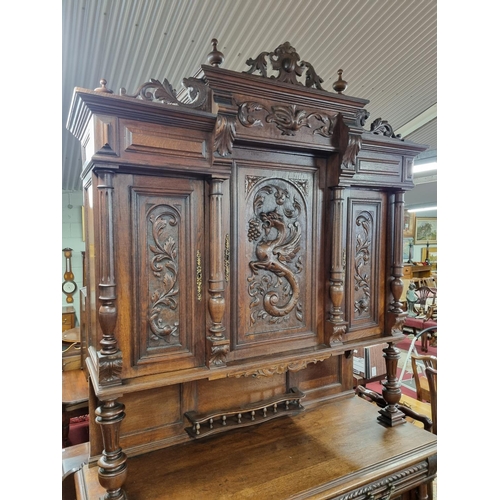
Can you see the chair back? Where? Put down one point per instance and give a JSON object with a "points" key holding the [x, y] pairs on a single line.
{"points": [[419, 363], [426, 301], [432, 379]]}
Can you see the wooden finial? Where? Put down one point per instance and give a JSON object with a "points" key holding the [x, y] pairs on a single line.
{"points": [[215, 58], [103, 87], [340, 85]]}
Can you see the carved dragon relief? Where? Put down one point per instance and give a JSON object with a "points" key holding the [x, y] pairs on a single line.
{"points": [[277, 235], [288, 119], [163, 313], [362, 262]]}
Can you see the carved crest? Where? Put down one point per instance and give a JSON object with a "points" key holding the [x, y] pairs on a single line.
{"points": [[286, 61]]}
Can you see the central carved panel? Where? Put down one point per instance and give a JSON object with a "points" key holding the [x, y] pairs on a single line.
{"points": [[278, 252]]}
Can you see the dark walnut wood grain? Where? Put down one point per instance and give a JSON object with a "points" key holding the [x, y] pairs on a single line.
{"points": [[243, 237]]}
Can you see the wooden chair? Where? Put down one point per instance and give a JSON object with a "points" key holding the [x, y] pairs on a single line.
{"points": [[375, 397], [419, 363], [432, 380], [426, 315]]}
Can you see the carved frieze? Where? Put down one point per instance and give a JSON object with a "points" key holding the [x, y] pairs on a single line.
{"points": [[280, 368], [288, 119]]}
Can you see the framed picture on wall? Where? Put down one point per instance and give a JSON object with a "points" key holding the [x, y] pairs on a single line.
{"points": [[409, 224], [425, 230], [432, 256]]}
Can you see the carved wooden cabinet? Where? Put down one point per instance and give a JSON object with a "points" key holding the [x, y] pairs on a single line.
{"points": [[243, 237]]}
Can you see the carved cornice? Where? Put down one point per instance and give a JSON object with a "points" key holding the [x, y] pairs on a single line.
{"points": [[154, 90], [286, 61]]}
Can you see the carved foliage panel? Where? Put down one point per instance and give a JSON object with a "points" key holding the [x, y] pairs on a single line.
{"points": [[366, 262], [168, 222], [275, 254]]}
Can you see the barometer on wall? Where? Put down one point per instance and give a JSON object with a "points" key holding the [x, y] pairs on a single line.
{"points": [[69, 286]]}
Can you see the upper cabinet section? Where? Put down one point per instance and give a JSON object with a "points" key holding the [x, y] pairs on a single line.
{"points": [[278, 104], [246, 224]]}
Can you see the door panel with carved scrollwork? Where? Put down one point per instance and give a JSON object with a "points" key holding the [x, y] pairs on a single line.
{"points": [[167, 235], [365, 298]]}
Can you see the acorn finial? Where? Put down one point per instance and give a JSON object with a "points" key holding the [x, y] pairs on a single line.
{"points": [[215, 58], [340, 85], [103, 87]]}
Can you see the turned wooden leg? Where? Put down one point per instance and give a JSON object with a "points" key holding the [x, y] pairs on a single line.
{"points": [[391, 415], [423, 491], [113, 462]]}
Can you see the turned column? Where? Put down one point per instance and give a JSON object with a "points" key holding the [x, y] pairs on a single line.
{"points": [[391, 415], [337, 270], [396, 315], [218, 344], [112, 464]]}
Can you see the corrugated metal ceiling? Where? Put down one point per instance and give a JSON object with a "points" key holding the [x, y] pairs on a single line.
{"points": [[387, 49]]}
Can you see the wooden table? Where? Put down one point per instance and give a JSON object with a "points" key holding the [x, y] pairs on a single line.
{"points": [[418, 406], [73, 459], [329, 452], [75, 398]]}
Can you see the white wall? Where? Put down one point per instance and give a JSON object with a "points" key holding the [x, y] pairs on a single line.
{"points": [[72, 237]]}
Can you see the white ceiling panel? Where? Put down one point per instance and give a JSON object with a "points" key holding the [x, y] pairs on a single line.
{"points": [[387, 49]]}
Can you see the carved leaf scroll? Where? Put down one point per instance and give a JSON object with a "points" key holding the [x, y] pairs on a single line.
{"points": [[288, 119], [362, 269], [225, 134], [154, 90], [163, 314], [382, 127]]}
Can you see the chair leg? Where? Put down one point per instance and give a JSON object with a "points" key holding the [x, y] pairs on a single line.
{"points": [[424, 341]]}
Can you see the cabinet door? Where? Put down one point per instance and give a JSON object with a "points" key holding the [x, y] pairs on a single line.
{"points": [[365, 272], [277, 218], [167, 239]]}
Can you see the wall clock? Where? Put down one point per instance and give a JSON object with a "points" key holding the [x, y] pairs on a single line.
{"points": [[69, 286]]}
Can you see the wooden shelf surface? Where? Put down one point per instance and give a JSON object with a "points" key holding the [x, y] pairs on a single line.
{"points": [[324, 451]]}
